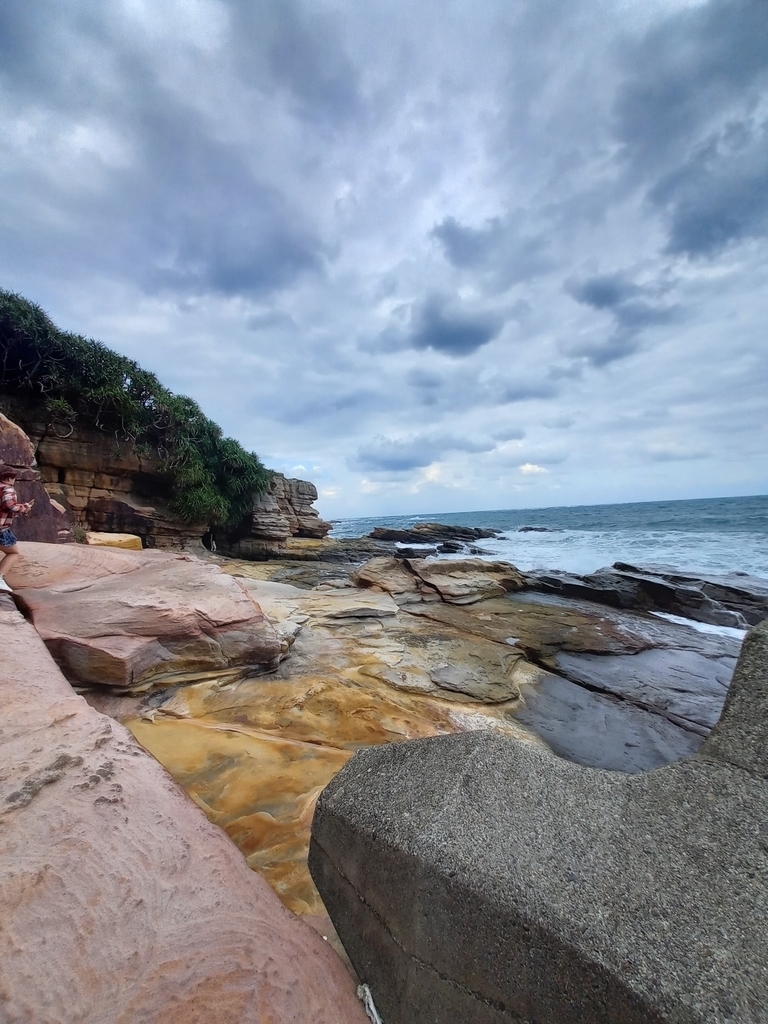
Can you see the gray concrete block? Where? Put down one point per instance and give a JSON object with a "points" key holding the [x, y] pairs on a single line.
{"points": [[472, 878]]}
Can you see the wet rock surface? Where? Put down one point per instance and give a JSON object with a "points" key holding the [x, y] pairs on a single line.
{"points": [[395, 651], [734, 599], [426, 533]]}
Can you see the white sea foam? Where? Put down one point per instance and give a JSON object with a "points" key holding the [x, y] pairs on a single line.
{"points": [[703, 627]]}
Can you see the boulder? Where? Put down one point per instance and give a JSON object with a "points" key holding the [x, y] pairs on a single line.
{"points": [[49, 521], [121, 903], [474, 878], [127, 541], [131, 619], [470, 580]]}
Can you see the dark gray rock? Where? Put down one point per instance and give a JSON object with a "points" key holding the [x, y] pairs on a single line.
{"points": [[733, 599], [431, 532], [476, 879]]}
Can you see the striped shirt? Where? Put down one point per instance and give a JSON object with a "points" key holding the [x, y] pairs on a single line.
{"points": [[10, 506]]}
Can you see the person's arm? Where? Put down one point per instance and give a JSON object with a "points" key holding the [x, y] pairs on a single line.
{"points": [[10, 502]]}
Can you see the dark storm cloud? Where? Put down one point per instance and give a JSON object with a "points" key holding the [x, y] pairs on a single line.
{"points": [[497, 248], [385, 455], [439, 325], [186, 212], [720, 194], [522, 391], [632, 307], [690, 118], [299, 49]]}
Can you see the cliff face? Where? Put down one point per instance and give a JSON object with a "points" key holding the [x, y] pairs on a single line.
{"points": [[103, 484], [108, 486]]}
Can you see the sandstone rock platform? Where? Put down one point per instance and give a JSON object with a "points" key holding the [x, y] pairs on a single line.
{"points": [[121, 903], [478, 879], [133, 619]]}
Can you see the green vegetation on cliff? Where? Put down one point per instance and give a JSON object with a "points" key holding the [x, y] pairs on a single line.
{"points": [[77, 381]]}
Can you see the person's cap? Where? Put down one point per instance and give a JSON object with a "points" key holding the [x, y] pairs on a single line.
{"points": [[6, 471]]}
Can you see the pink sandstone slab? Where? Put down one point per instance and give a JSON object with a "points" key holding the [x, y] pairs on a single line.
{"points": [[124, 618], [121, 903]]}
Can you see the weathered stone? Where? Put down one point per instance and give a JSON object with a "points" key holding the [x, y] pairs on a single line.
{"points": [[733, 599], [360, 671], [127, 541], [472, 878], [121, 903], [464, 582], [129, 619], [458, 582], [431, 533], [49, 521]]}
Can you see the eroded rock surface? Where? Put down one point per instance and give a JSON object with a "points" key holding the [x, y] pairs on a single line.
{"points": [[121, 903], [257, 752], [283, 511], [397, 659], [131, 619]]}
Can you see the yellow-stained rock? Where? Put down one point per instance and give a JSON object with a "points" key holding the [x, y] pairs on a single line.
{"points": [[128, 541], [255, 753]]}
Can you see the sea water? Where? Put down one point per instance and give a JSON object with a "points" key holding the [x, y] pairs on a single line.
{"points": [[709, 535]]}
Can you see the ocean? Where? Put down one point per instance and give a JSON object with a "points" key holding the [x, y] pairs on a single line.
{"points": [[709, 535]]}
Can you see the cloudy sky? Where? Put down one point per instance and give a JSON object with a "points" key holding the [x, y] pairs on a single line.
{"points": [[433, 255]]}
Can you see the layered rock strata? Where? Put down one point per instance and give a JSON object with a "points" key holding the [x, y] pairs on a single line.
{"points": [[121, 903], [135, 619], [109, 485], [49, 520], [106, 484], [282, 512], [478, 879]]}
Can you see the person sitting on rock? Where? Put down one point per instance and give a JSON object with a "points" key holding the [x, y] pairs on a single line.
{"points": [[10, 506]]}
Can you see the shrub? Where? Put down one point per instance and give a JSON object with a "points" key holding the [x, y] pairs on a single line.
{"points": [[80, 381]]}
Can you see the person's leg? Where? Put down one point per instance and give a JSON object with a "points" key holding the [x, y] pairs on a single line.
{"points": [[10, 556]]}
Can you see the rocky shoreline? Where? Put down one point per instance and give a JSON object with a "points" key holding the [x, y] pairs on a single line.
{"points": [[254, 682]]}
